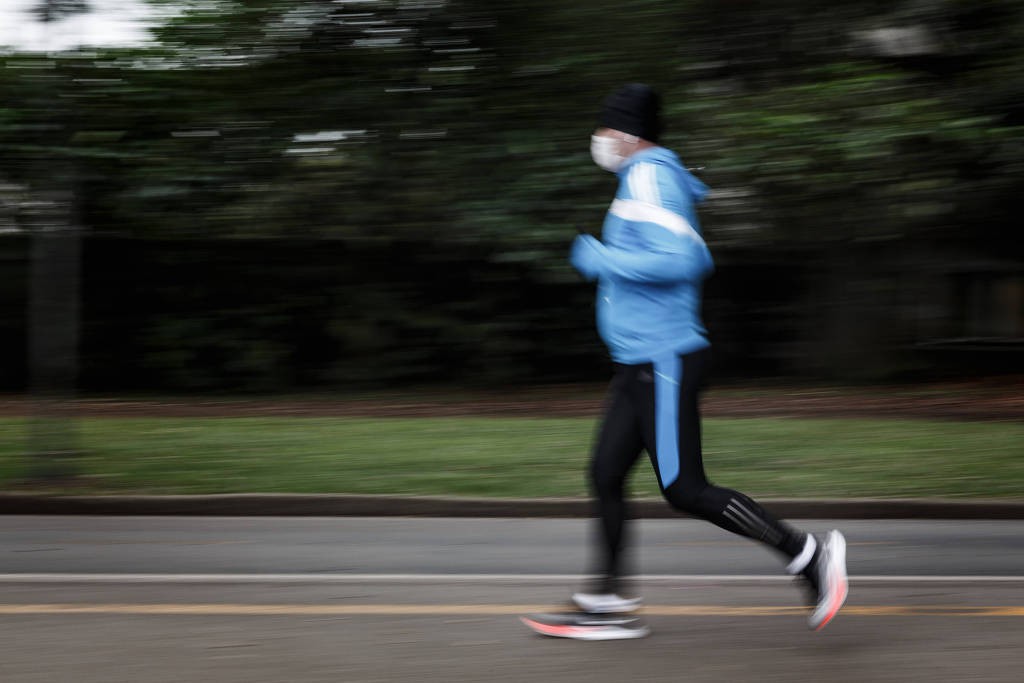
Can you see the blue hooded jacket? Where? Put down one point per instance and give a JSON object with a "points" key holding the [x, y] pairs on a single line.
{"points": [[651, 261]]}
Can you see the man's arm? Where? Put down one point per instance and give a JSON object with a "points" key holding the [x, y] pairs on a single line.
{"points": [[671, 258]]}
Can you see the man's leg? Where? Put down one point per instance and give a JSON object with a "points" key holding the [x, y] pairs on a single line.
{"points": [[681, 473], [672, 434], [618, 446]]}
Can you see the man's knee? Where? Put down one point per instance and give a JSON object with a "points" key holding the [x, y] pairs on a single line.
{"points": [[687, 499], [604, 481]]}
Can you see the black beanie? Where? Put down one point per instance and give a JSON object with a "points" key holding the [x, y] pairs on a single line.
{"points": [[633, 109]]}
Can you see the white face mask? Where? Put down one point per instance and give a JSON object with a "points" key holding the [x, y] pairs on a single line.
{"points": [[605, 152]]}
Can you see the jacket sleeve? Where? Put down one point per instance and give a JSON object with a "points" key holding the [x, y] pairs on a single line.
{"points": [[668, 257]]}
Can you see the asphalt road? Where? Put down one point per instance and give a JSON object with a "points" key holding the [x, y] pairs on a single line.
{"points": [[196, 545], [371, 600]]}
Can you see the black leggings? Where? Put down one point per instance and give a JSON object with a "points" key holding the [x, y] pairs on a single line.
{"points": [[631, 426]]}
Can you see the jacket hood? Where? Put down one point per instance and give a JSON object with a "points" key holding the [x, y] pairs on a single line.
{"points": [[697, 188]]}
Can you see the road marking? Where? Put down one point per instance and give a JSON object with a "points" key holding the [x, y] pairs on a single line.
{"points": [[492, 610], [468, 578]]}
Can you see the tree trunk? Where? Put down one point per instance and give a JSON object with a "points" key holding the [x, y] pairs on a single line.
{"points": [[54, 283]]}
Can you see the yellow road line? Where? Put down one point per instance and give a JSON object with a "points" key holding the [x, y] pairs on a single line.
{"points": [[216, 609]]}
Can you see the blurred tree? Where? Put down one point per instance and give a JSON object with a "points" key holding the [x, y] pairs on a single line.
{"points": [[865, 140], [54, 280], [54, 10]]}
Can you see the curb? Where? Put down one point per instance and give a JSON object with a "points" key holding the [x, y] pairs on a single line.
{"points": [[342, 505]]}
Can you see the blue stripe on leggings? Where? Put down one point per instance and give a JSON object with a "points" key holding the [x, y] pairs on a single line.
{"points": [[668, 375]]}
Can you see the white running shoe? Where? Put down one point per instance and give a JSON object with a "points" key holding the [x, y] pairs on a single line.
{"points": [[833, 584], [587, 626], [605, 603]]}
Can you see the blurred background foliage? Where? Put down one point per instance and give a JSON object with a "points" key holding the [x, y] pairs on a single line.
{"points": [[284, 195]]}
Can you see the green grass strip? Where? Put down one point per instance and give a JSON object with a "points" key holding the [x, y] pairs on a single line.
{"points": [[520, 457]]}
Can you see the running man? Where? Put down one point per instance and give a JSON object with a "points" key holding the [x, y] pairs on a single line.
{"points": [[649, 266]]}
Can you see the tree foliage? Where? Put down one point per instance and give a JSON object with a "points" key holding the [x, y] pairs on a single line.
{"points": [[465, 122], [468, 120]]}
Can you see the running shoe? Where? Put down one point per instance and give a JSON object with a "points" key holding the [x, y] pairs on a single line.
{"points": [[605, 603], [587, 626], [830, 580]]}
